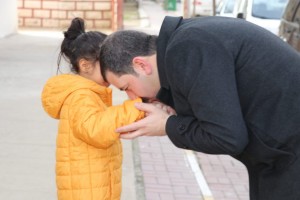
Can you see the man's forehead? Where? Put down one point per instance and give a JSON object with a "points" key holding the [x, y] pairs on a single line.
{"points": [[116, 80], [112, 77]]}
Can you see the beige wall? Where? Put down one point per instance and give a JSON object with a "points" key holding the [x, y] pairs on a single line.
{"points": [[9, 17], [57, 14]]}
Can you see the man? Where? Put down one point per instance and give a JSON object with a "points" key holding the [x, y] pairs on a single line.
{"points": [[235, 88]]}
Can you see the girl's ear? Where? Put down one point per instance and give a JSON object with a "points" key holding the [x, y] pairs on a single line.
{"points": [[142, 65], [84, 66]]}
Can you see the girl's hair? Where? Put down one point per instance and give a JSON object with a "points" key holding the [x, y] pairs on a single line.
{"points": [[78, 44]]}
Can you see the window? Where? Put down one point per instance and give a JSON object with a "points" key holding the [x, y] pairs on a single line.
{"points": [[229, 7], [267, 9]]}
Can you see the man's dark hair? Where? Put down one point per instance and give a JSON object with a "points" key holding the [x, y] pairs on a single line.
{"points": [[119, 49]]}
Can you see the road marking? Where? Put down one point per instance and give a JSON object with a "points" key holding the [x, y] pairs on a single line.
{"points": [[207, 195]]}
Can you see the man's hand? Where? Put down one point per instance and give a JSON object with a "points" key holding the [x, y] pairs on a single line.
{"points": [[164, 107], [153, 124]]}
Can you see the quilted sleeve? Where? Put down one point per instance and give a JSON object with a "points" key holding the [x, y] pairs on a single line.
{"points": [[94, 123]]}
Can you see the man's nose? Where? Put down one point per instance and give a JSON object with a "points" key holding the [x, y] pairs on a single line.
{"points": [[131, 95]]}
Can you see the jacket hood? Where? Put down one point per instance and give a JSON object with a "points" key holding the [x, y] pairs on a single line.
{"points": [[58, 88]]}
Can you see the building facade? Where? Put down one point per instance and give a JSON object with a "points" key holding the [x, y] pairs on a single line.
{"points": [[57, 14]]}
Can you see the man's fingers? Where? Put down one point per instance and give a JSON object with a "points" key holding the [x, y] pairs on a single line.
{"points": [[127, 128], [146, 107], [130, 128], [130, 135]]}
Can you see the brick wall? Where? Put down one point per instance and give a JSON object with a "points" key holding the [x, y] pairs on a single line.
{"points": [[57, 14]]}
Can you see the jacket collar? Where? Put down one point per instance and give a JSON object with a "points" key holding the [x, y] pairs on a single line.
{"points": [[169, 25]]}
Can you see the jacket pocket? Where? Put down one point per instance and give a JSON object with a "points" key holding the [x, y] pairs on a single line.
{"points": [[266, 153]]}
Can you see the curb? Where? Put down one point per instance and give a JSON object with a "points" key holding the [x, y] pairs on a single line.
{"points": [[139, 180]]}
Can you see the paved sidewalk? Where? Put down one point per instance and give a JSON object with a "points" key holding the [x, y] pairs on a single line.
{"points": [[27, 133], [165, 171]]}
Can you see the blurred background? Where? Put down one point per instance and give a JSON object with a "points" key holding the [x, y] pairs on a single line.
{"points": [[153, 168]]}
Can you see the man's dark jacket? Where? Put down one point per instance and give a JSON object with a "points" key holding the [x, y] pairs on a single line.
{"points": [[236, 90]]}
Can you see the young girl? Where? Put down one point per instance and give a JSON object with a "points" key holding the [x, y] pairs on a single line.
{"points": [[89, 152]]}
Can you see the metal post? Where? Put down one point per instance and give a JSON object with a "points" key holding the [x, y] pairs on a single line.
{"points": [[185, 4], [214, 7]]}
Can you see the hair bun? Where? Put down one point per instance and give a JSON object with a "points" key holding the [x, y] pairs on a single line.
{"points": [[76, 28]]}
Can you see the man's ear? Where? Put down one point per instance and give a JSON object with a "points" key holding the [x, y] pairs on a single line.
{"points": [[142, 65], [84, 65]]}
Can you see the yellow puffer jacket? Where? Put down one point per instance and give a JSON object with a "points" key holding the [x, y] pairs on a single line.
{"points": [[89, 152]]}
